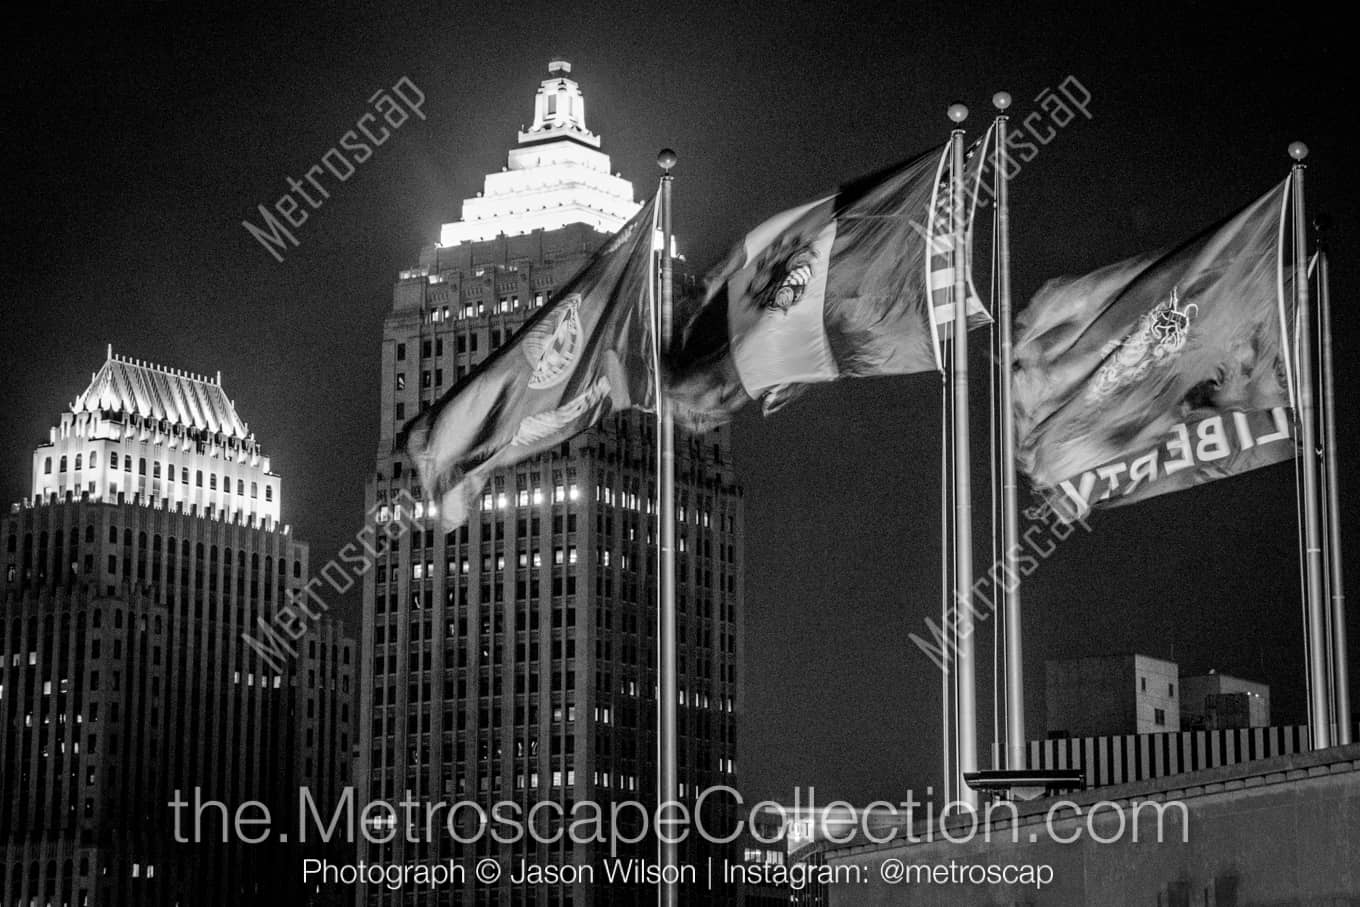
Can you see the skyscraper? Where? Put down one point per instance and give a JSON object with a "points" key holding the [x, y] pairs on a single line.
{"points": [[149, 545], [514, 659]]}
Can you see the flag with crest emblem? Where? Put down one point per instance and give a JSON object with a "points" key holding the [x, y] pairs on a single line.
{"points": [[842, 287], [1160, 372], [587, 353]]}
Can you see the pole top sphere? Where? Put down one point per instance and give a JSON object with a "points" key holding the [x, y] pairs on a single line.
{"points": [[666, 159], [958, 113], [1298, 151], [1001, 100]]}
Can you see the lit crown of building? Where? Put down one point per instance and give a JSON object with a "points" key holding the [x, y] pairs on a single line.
{"points": [[160, 436], [555, 176], [132, 387]]}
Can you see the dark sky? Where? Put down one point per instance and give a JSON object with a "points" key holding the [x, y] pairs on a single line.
{"points": [[141, 135]]}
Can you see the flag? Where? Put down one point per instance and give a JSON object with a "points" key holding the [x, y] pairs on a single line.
{"points": [[940, 261], [1161, 372], [587, 353], [840, 287]]}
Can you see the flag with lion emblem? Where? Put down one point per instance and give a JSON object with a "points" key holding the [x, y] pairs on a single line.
{"points": [[1161, 372], [587, 353]]}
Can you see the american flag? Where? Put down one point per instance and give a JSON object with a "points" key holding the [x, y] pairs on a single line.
{"points": [[940, 234]]}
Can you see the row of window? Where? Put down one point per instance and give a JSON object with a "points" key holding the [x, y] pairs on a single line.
{"points": [[502, 306], [169, 473]]}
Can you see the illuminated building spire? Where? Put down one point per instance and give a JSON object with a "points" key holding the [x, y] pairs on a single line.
{"points": [[559, 109], [556, 175]]}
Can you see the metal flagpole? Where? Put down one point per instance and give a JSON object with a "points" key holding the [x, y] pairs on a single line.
{"points": [[963, 491], [668, 694], [1319, 708], [1010, 507], [1341, 671]]}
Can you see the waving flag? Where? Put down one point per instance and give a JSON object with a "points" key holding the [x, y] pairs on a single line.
{"points": [[940, 261], [841, 287], [1161, 372], [585, 354]]}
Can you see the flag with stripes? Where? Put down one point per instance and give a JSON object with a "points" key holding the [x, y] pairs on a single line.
{"points": [[839, 287], [940, 262]]}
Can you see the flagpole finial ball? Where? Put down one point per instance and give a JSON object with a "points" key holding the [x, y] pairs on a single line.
{"points": [[666, 159], [958, 113], [1001, 100], [1298, 151]]}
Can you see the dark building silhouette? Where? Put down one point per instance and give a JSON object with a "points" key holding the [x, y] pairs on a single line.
{"points": [[150, 544], [514, 659]]}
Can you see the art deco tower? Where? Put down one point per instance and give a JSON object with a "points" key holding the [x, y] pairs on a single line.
{"points": [[149, 545], [515, 658]]}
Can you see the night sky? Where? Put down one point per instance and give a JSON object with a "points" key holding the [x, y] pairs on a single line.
{"points": [[142, 135]]}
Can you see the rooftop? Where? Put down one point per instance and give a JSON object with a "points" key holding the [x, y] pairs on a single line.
{"points": [[134, 387]]}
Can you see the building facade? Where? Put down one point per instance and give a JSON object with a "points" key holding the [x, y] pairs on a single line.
{"points": [[513, 660], [1213, 701], [150, 544], [1111, 694]]}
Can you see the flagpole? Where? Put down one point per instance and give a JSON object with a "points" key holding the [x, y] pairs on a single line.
{"points": [[1341, 671], [668, 694], [963, 491], [1010, 520], [1319, 654]]}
